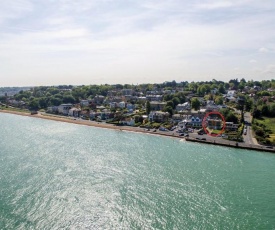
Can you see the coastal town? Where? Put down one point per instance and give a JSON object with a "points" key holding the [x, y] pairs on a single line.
{"points": [[171, 108]]}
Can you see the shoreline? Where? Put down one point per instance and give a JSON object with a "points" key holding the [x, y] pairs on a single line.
{"points": [[136, 130], [90, 123]]}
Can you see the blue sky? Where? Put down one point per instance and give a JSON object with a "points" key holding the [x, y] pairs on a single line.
{"points": [[52, 42]]}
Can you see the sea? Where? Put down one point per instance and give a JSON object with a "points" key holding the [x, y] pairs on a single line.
{"points": [[56, 175]]}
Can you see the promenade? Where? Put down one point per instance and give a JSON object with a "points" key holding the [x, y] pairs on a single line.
{"points": [[232, 144]]}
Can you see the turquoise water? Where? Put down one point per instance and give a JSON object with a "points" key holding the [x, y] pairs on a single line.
{"points": [[63, 176]]}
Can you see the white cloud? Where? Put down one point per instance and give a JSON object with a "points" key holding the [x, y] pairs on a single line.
{"points": [[215, 5], [135, 41], [270, 69], [14, 9], [59, 21], [67, 33], [263, 50]]}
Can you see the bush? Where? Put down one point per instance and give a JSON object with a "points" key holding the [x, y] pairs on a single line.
{"points": [[137, 124], [267, 141], [260, 132], [240, 129], [155, 125], [263, 140]]}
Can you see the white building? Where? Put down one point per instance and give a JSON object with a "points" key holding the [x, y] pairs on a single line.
{"points": [[64, 108], [158, 116], [157, 105], [231, 126], [84, 102], [182, 107], [231, 93], [191, 122], [74, 112]]}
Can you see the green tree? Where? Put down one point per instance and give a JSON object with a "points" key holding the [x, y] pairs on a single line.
{"points": [[203, 89], [221, 89], [219, 100], [256, 112], [34, 104], [248, 104], [240, 106], [195, 103], [167, 97], [43, 102], [148, 107], [260, 132], [181, 97], [226, 85], [53, 90], [55, 101], [176, 101], [68, 99], [168, 109], [170, 103], [231, 117], [271, 109], [265, 110], [241, 86]]}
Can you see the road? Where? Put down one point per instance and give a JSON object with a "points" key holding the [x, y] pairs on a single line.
{"points": [[248, 138]]}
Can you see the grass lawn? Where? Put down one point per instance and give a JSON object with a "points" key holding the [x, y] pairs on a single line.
{"points": [[270, 124], [213, 131], [272, 137], [15, 109]]}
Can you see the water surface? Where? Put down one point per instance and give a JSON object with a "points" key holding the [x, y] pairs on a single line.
{"points": [[57, 175]]}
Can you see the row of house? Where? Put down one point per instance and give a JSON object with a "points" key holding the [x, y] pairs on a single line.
{"points": [[188, 121], [191, 121], [156, 114]]}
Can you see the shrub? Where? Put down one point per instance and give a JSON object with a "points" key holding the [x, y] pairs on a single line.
{"points": [[137, 124], [260, 132], [260, 139], [267, 141], [155, 125]]}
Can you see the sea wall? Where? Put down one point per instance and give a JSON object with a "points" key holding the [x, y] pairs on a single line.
{"points": [[233, 145]]}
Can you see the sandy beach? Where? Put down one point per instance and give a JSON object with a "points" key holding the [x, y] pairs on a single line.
{"points": [[90, 123]]}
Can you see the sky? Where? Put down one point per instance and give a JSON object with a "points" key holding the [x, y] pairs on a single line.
{"points": [[62, 42]]}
